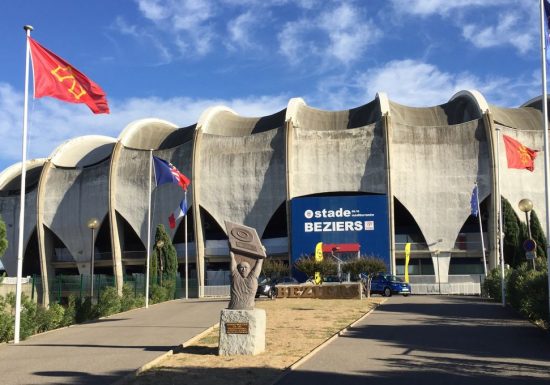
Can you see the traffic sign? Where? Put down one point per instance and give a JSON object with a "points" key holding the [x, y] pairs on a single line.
{"points": [[529, 245]]}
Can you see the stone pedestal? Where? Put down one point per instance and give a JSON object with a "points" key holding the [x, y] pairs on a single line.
{"points": [[242, 332]]}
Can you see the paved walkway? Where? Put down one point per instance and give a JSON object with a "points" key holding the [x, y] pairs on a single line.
{"points": [[433, 340], [102, 352]]}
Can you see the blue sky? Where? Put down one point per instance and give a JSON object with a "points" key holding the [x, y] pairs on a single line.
{"points": [[172, 59]]}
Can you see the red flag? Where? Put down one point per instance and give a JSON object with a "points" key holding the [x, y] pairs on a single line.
{"points": [[518, 155], [55, 77]]}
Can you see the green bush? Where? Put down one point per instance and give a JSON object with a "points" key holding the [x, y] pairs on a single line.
{"points": [[366, 265], [85, 311], [129, 299], [109, 302], [527, 292], [309, 266], [69, 316], [158, 294], [491, 287], [7, 320], [274, 268]]}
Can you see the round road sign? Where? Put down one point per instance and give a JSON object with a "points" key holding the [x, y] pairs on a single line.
{"points": [[529, 245]]}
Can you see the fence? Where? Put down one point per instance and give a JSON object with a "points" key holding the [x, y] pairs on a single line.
{"points": [[8, 285], [456, 285], [63, 286]]}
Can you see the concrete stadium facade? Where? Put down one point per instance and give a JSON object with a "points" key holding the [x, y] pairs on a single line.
{"points": [[248, 170]]}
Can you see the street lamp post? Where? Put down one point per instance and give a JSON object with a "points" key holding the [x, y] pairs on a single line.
{"points": [[526, 205], [93, 223], [160, 244]]}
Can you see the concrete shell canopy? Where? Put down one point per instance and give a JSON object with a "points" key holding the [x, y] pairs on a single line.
{"points": [[83, 151]]}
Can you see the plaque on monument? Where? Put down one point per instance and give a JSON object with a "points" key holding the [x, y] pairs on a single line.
{"points": [[244, 240]]}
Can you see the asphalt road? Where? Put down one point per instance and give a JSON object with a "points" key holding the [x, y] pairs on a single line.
{"points": [[432, 340], [105, 351]]}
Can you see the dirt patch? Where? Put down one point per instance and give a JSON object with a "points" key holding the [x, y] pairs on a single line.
{"points": [[294, 328]]}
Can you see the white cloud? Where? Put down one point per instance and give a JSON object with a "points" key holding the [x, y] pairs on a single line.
{"points": [[417, 84], [485, 23], [510, 29], [443, 7], [187, 19], [240, 30], [51, 122], [341, 34]]}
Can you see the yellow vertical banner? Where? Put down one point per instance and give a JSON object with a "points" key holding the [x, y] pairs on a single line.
{"points": [[407, 258], [318, 258]]}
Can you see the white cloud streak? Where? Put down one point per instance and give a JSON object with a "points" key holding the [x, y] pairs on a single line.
{"points": [[52, 122], [416, 84]]}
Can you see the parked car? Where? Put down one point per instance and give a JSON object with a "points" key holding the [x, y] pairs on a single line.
{"points": [[266, 287], [286, 281], [387, 285]]}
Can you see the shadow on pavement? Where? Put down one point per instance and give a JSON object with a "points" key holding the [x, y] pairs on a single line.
{"points": [[81, 378]]}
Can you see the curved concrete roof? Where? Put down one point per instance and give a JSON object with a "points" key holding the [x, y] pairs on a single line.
{"points": [[83, 151], [10, 178], [476, 98], [462, 107], [323, 120], [146, 134], [525, 118], [226, 122]]}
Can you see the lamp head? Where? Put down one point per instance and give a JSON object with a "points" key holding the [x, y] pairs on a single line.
{"points": [[525, 205], [93, 223]]}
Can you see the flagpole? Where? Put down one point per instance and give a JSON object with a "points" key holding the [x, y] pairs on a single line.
{"points": [[17, 326], [481, 231], [186, 265], [148, 259], [546, 147], [500, 229]]}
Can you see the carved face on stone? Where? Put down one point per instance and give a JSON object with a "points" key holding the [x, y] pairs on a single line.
{"points": [[244, 269]]}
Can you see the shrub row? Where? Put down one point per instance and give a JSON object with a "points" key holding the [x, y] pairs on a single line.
{"points": [[526, 290], [36, 318]]}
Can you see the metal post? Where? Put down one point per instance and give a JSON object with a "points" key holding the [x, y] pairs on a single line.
{"points": [[527, 219]]}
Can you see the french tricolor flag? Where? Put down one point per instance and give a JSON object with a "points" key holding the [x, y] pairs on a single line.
{"points": [[180, 212]]}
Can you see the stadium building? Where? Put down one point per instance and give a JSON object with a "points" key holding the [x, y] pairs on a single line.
{"points": [[369, 180]]}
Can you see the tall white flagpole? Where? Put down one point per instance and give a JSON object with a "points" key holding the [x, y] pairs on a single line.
{"points": [[500, 228], [481, 231], [28, 30], [148, 259], [186, 262], [546, 147]]}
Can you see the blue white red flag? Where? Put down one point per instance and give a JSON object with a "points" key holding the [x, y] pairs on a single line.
{"points": [[474, 202], [180, 212], [166, 172]]}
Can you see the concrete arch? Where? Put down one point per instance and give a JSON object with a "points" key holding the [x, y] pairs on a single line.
{"points": [[82, 151], [245, 158], [10, 178], [10, 188], [146, 134]]}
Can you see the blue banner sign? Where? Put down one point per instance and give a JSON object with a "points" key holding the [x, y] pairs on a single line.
{"points": [[345, 223]]}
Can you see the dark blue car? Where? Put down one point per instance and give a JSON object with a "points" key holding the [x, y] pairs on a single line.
{"points": [[387, 285]]}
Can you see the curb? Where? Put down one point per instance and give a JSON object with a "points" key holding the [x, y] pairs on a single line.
{"points": [[305, 358], [129, 377]]}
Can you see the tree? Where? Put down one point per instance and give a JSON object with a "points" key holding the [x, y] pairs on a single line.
{"points": [[369, 266], [3, 238], [538, 234], [515, 232], [164, 264], [274, 268], [309, 266]]}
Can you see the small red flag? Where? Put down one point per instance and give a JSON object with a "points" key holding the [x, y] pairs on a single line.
{"points": [[518, 155], [54, 77]]}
